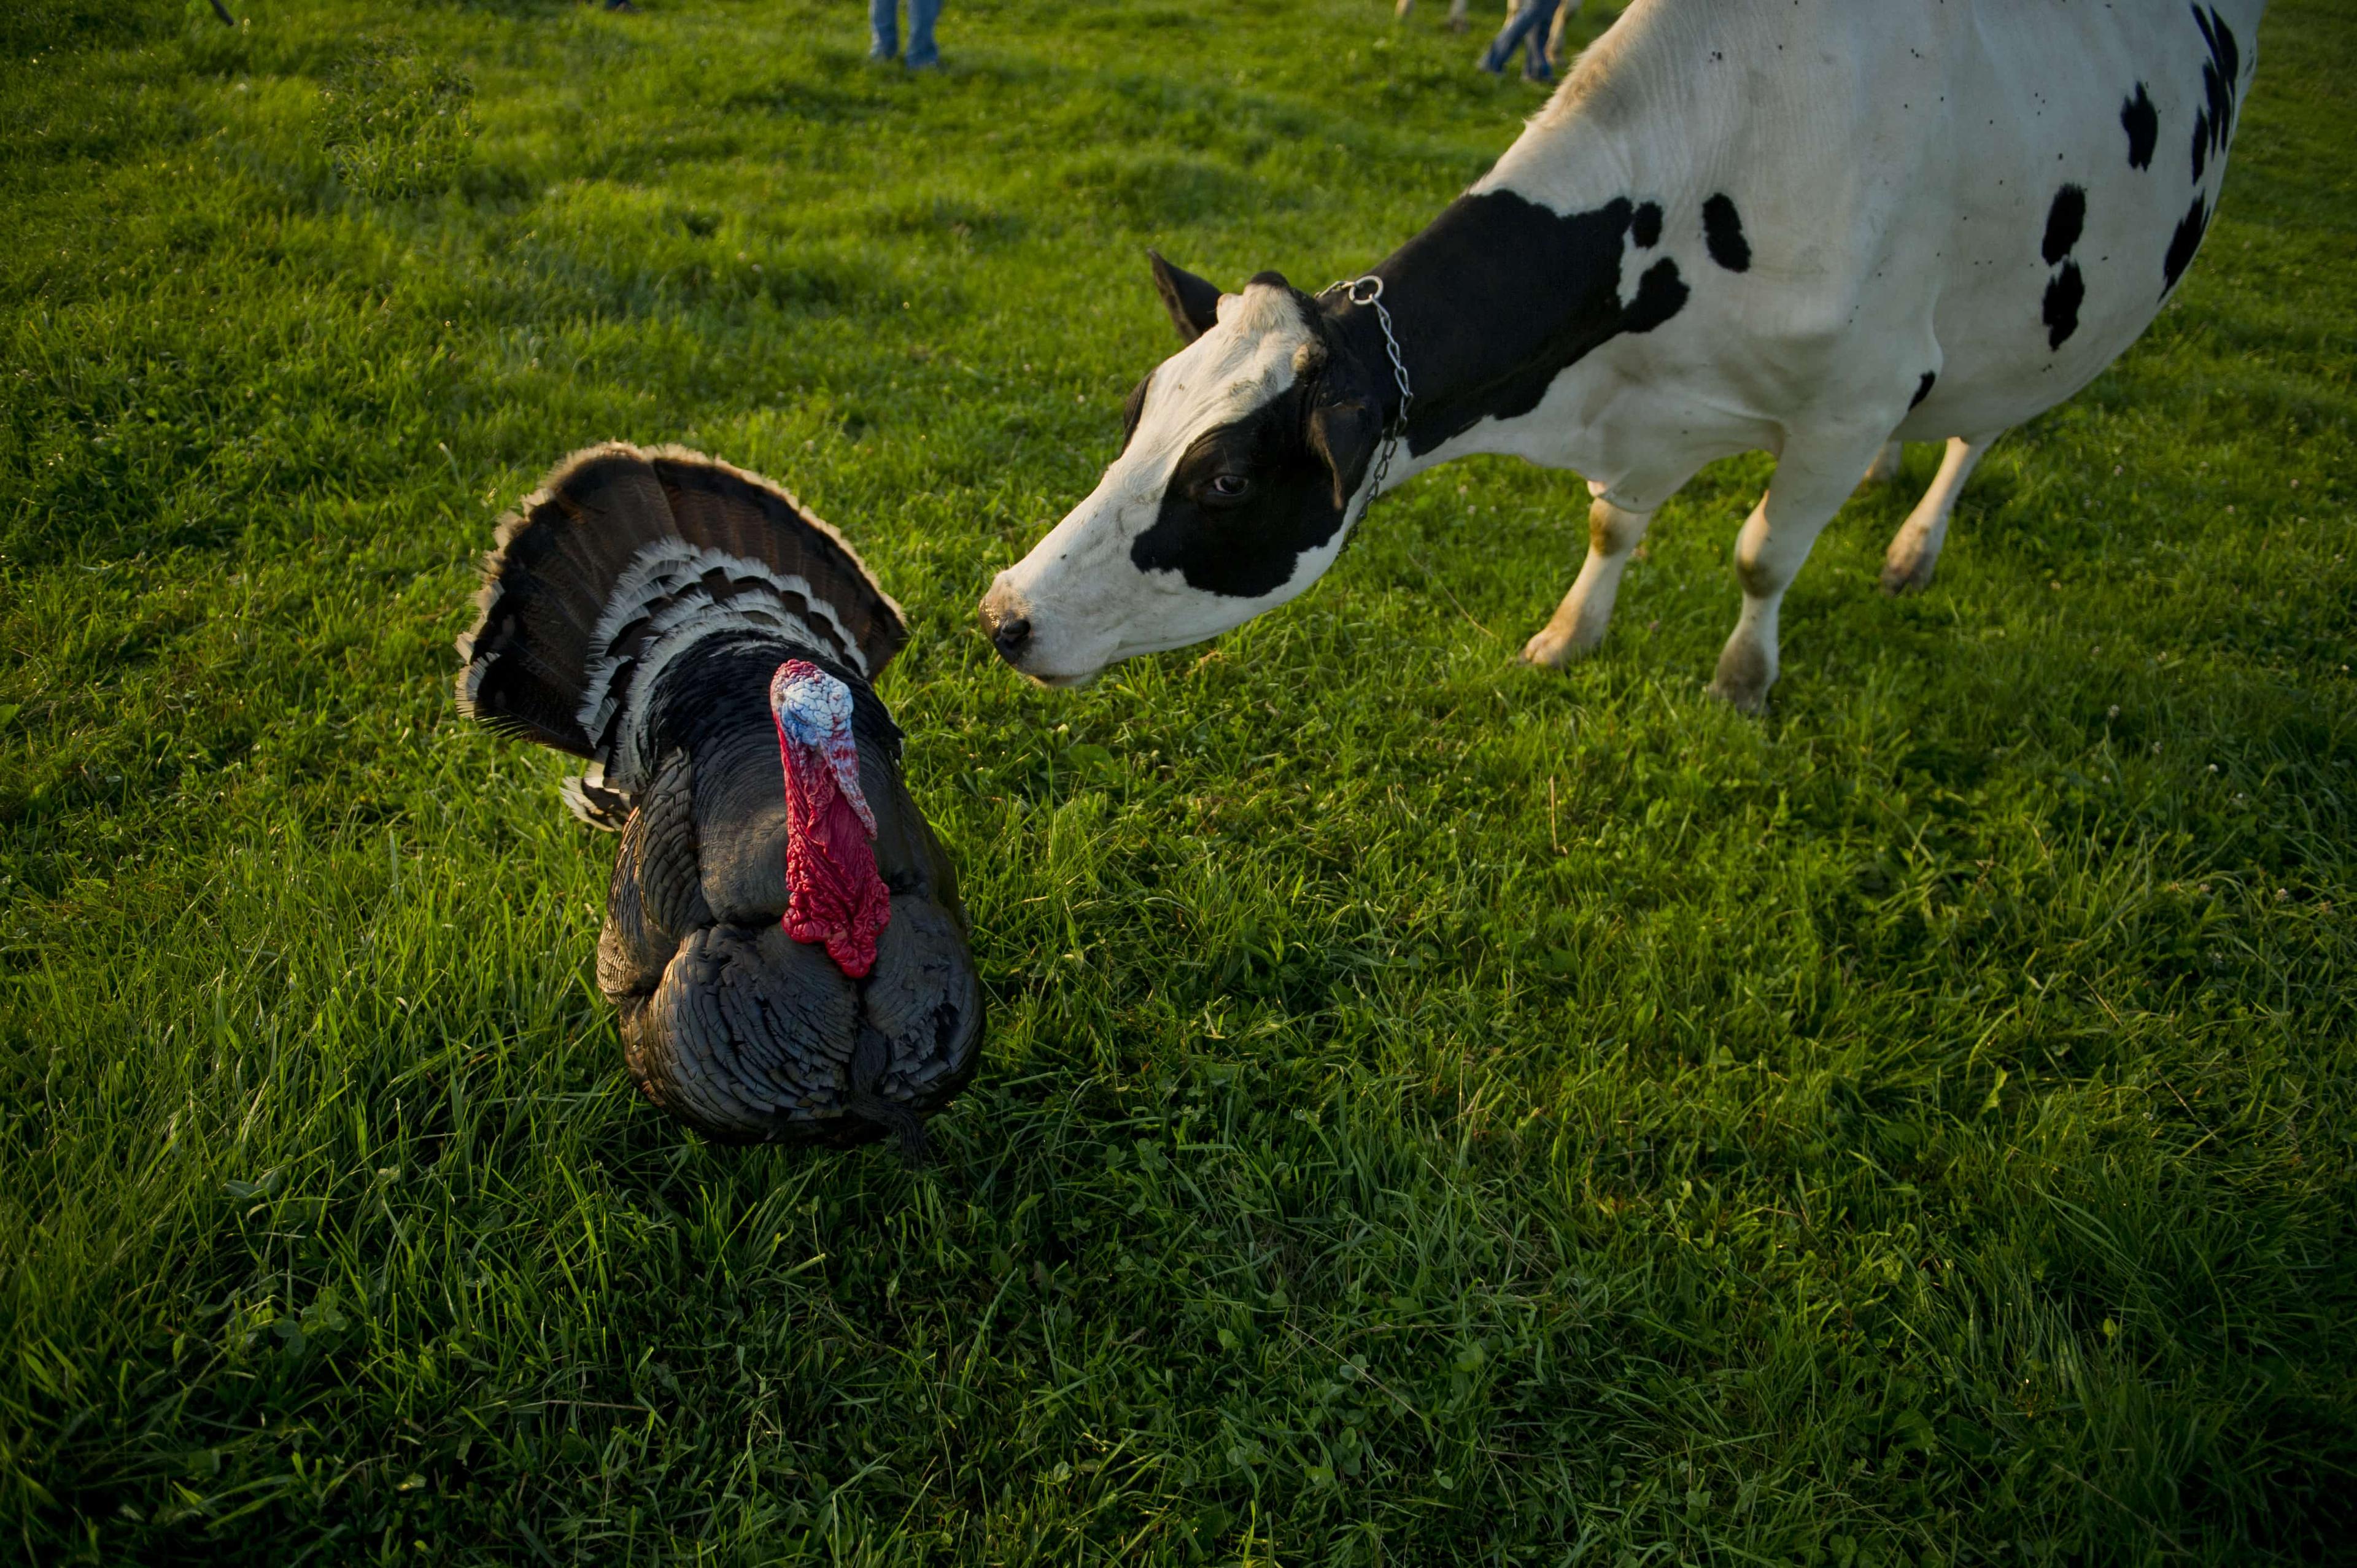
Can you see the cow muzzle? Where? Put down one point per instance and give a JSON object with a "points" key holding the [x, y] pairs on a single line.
{"points": [[1007, 619], [1005, 622]]}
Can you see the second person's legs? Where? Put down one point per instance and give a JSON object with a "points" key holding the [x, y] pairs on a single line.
{"points": [[922, 51], [1527, 29]]}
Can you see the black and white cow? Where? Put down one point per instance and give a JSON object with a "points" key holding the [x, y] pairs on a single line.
{"points": [[1813, 228]]}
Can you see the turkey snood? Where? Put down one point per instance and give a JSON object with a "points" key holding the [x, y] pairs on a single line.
{"points": [[836, 897]]}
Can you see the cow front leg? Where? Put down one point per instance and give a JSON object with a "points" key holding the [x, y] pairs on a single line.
{"points": [[1884, 467], [1613, 534], [1806, 491], [1915, 548]]}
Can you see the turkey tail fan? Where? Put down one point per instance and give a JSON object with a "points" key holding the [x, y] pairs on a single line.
{"points": [[731, 509], [624, 559]]}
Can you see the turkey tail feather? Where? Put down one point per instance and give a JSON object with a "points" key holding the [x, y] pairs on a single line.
{"points": [[624, 559]]}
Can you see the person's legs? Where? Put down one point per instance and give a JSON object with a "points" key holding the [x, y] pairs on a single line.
{"points": [[1536, 64], [1501, 48], [922, 51], [883, 28]]}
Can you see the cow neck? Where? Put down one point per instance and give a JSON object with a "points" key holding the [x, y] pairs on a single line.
{"points": [[1494, 299], [1356, 332]]}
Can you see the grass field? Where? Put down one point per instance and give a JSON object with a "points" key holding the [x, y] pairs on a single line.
{"points": [[1435, 1111]]}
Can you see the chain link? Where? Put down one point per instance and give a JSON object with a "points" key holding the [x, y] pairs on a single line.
{"points": [[1369, 290]]}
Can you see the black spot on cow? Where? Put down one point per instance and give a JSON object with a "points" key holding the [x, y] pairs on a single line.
{"points": [[1722, 231], [2223, 47], [2064, 294], [2141, 120], [2064, 220], [2214, 125], [1661, 294], [2183, 243], [1495, 299], [1923, 388], [1646, 227]]}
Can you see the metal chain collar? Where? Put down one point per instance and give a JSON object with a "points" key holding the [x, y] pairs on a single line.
{"points": [[1369, 290]]}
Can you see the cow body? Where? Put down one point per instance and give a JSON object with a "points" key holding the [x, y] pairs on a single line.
{"points": [[1811, 228]]}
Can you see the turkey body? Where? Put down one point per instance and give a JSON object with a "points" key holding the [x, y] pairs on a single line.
{"points": [[634, 615]]}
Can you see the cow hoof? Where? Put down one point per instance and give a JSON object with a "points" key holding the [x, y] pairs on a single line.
{"points": [[1899, 580], [1742, 679], [1551, 651], [1743, 700]]}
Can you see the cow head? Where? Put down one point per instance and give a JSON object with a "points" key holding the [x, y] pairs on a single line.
{"points": [[1242, 462]]}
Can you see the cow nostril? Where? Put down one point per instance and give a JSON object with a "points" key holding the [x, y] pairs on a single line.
{"points": [[1011, 637]]}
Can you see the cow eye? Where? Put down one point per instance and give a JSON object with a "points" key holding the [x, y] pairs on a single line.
{"points": [[1228, 487]]}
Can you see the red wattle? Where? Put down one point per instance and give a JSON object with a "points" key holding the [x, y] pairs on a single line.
{"points": [[834, 894]]}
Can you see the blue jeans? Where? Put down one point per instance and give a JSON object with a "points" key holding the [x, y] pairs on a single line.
{"points": [[1527, 29], [884, 25]]}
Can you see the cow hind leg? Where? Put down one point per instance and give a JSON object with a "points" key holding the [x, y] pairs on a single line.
{"points": [[1915, 548], [1810, 485], [1577, 626]]}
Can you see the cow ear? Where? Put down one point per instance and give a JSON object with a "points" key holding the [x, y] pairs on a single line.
{"points": [[1345, 433], [1193, 303]]}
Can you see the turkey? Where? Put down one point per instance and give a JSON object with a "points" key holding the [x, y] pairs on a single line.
{"points": [[783, 939]]}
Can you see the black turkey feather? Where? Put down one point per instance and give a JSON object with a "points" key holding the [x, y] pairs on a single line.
{"points": [[783, 939]]}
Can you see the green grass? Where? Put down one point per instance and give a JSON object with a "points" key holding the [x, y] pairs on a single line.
{"points": [[1435, 1111]]}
